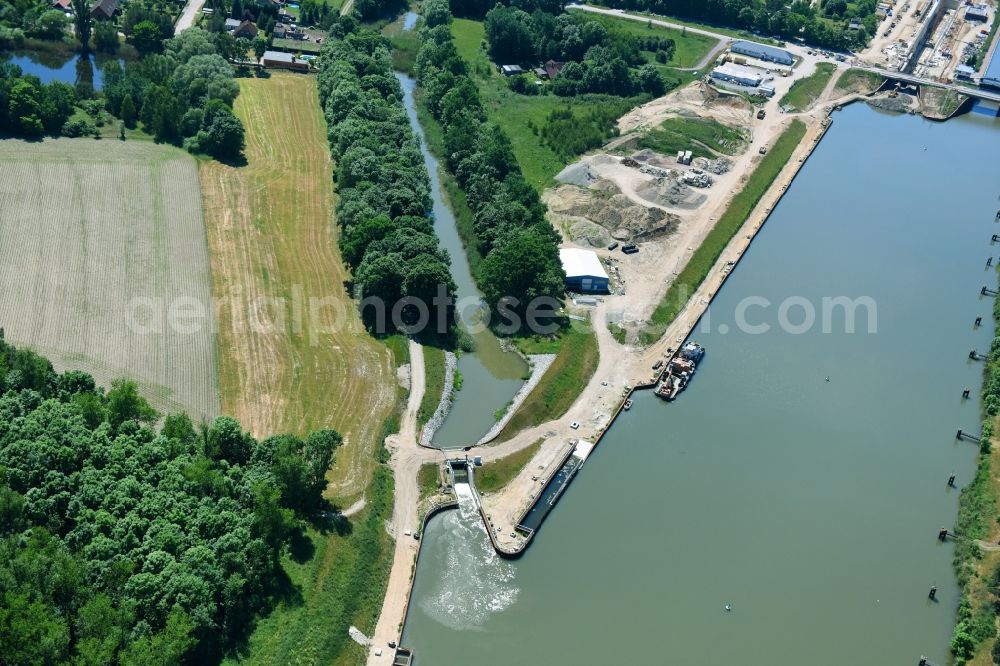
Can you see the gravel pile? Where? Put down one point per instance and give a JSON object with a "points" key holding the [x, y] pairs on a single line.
{"points": [[578, 174]]}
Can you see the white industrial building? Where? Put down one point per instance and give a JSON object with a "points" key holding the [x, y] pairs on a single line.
{"points": [[762, 52], [584, 272], [733, 73]]}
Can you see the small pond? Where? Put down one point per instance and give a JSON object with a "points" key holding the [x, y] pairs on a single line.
{"points": [[71, 68]]}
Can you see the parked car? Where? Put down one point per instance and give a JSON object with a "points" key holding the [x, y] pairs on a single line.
{"points": [[613, 246], [761, 114], [763, 150], [630, 249]]}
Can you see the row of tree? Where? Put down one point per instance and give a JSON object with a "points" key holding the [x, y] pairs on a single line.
{"points": [[123, 544], [388, 238], [520, 248]]}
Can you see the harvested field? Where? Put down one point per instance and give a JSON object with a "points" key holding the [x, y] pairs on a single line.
{"points": [[97, 241], [293, 355]]}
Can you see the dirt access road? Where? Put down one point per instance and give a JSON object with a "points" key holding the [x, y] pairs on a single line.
{"points": [[407, 457]]}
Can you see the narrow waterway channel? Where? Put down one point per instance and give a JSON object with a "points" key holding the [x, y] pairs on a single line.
{"points": [[491, 376], [811, 506]]}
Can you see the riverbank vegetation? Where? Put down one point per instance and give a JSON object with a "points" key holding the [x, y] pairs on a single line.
{"points": [[517, 245], [975, 638], [575, 363], [388, 239], [491, 477], [858, 81], [805, 91], [742, 204], [127, 544]]}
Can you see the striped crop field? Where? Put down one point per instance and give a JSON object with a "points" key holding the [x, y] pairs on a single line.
{"points": [[104, 266], [293, 354]]}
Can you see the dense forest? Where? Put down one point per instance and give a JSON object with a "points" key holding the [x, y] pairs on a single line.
{"points": [[388, 239], [823, 24], [520, 248], [181, 91], [121, 543]]}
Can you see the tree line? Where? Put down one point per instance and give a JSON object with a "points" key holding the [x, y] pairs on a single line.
{"points": [[388, 239], [121, 543], [520, 248], [823, 24]]}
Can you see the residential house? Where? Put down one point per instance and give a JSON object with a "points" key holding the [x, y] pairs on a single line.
{"points": [[280, 60], [245, 29], [552, 68], [104, 10]]}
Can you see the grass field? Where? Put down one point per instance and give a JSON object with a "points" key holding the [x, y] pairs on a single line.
{"points": [[575, 363], [429, 479], [806, 91], [702, 136], [295, 368], [433, 383], [293, 354], [493, 476], [691, 48], [708, 252], [94, 234]]}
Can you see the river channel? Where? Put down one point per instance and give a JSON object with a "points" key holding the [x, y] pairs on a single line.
{"points": [[801, 478], [490, 375]]}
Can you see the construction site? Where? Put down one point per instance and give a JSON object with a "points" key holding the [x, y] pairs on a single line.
{"points": [[943, 40]]}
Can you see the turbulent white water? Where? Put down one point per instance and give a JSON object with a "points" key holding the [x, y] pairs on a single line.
{"points": [[476, 583], [466, 500]]}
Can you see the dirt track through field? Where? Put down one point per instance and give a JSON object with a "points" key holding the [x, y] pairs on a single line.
{"points": [[293, 354], [98, 240]]}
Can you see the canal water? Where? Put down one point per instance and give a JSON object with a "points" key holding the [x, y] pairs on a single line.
{"points": [[490, 375], [810, 506], [73, 69]]}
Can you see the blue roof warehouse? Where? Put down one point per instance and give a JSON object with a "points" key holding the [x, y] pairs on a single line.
{"points": [[762, 52]]}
